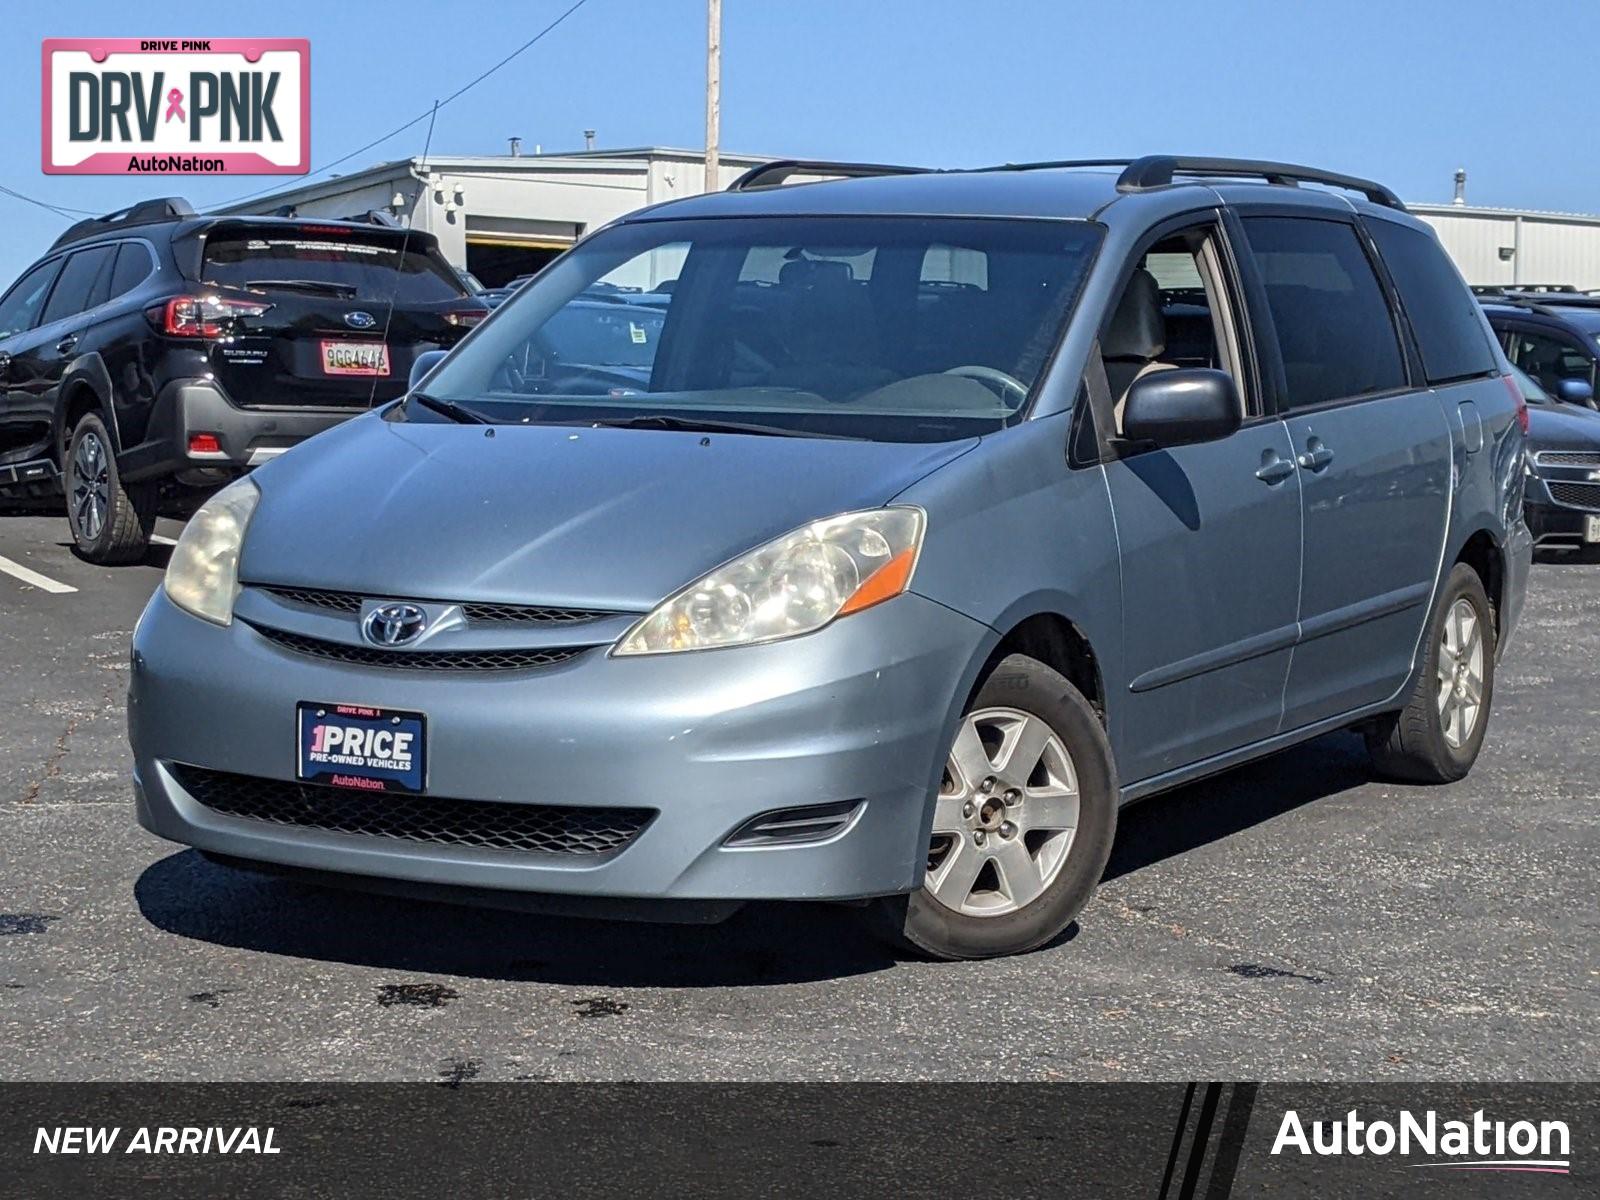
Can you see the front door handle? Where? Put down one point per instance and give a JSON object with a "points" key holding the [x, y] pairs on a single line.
{"points": [[1316, 456], [5, 364], [1273, 469], [66, 344]]}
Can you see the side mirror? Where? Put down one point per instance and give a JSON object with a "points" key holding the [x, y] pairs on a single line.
{"points": [[1574, 391], [1178, 407], [421, 365]]}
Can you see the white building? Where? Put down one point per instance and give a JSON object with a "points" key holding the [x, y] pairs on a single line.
{"points": [[1518, 246], [500, 216]]}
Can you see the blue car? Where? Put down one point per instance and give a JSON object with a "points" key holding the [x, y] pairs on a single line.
{"points": [[938, 515], [1562, 501]]}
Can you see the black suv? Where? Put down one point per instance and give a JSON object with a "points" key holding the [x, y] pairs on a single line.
{"points": [[1552, 333], [154, 354]]}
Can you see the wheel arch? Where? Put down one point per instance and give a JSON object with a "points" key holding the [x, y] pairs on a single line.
{"points": [[1485, 554], [1061, 644], [86, 389]]}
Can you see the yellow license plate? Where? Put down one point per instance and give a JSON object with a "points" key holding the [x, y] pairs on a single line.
{"points": [[355, 358]]}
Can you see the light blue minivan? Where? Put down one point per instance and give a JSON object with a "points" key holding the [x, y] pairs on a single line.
{"points": [[918, 521]]}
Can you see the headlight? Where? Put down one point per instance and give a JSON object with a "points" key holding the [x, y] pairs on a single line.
{"points": [[792, 585], [203, 572]]}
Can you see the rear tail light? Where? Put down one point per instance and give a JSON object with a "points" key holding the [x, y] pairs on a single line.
{"points": [[466, 317], [1519, 400], [204, 443], [201, 316]]}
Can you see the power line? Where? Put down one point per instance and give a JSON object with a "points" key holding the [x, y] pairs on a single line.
{"points": [[420, 117], [58, 209]]}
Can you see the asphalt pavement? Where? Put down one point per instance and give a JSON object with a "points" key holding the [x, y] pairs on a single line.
{"points": [[1290, 920]]}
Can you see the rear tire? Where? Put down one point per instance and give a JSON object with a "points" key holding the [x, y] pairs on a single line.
{"points": [[1437, 736], [1023, 823], [111, 521]]}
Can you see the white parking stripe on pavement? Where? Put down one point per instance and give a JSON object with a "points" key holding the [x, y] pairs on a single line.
{"points": [[161, 539], [43, 582]]}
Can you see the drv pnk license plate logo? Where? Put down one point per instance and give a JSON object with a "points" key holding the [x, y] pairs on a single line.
{"points": [[168, 106]]}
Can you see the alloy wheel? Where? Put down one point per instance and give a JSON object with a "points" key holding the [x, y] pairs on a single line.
{"points": [[91, 485], [1460, 695], [1005, 817]]}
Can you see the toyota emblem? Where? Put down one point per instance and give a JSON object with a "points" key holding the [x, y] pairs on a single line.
{"points": [[394, 624]]}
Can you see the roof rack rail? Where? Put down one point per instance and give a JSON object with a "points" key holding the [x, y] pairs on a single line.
{"points": [[1539, 289], [1548, 303], [146, 212], [1158, 170], [773, 174]]}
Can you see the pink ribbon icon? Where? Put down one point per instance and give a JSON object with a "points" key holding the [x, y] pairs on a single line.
{"points": [[175, 106]]}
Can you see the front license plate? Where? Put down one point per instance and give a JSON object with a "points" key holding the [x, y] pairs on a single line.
{"points": [[356, 746], [355, 358], [1591, 529]]}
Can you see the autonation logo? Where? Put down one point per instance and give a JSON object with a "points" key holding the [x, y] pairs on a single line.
{"points": [[1478, 1144]]}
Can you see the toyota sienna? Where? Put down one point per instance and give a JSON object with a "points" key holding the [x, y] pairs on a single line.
{"points": [[935, 516]]}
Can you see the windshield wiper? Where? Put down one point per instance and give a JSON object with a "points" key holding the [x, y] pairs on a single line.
{"points": [[305, 285], [449, 408], [708, 425]]}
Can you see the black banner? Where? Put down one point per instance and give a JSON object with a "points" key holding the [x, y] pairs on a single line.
{"points": [[1155, 1141]]}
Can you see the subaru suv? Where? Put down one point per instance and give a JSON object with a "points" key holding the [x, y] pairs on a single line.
{"points": [[153, 355], [951, 511]]}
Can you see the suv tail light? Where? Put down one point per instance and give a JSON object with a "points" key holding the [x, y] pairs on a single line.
{"points": [[466, 317], [201, 316], [1520, 401]]}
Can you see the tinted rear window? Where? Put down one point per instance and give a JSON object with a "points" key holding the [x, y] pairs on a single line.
{"points": [[82, 284], [1335, 331], [133, 268], [1443, 313], [377, 271]]}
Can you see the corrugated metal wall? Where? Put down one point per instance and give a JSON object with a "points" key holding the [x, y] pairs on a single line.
{"points": [[1491, 246]]}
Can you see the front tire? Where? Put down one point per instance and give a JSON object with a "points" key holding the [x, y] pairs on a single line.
{"points": [[1437, 736], [111, 521], [1023, 823]]}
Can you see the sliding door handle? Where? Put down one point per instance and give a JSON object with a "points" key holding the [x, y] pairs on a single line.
{"points": [[1273, 469], [1316, 456]]}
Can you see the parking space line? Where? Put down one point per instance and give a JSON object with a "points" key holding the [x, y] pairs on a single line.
{"points": [[43, 582], [161, 539]]}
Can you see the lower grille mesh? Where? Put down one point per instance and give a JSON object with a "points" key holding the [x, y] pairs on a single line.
{"points": [[1579, 495], [531, 828]]}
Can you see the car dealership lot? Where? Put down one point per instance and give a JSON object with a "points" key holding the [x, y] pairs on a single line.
{"points": [[1292, 919]]}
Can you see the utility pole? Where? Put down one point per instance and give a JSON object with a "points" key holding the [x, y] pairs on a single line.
{"points": [[713, 91]]}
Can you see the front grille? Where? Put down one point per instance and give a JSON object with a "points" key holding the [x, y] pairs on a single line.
{"points": [[421, 660], [1567, 458], [476, 613], [337, 601], [530, 828], [1578, 495]]}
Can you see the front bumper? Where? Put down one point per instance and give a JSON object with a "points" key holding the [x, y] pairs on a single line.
{"points": [[859, 711], [1551, 522], [246, 436]]}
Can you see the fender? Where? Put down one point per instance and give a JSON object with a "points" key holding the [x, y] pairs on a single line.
{"points": [[86, 372], [1037, 604]]}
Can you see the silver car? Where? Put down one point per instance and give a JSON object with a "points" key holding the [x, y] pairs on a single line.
{"points": [[924, 521]]}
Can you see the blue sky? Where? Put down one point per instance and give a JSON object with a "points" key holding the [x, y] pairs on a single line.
{"points": [[1401, 90]]}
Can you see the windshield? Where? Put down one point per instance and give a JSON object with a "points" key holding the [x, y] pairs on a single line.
{"points": [[888, 328], [360, 270]]}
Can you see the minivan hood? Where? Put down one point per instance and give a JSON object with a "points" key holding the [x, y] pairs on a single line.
{"points": [[549, 514], [1563, 427]]}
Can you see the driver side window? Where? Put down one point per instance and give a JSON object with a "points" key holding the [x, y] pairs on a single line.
{"points": [[1176, 311]]}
